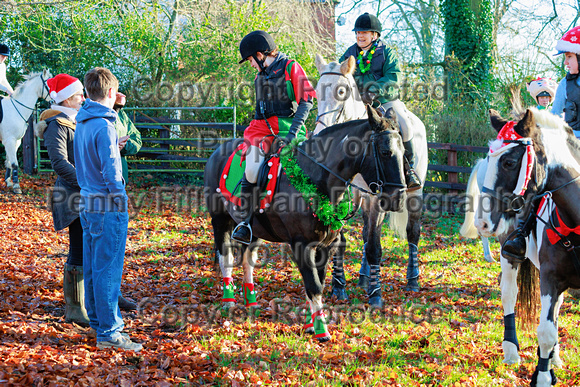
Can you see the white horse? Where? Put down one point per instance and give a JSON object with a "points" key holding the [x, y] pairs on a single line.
{"points": [[473, 193], [17, 109], [339, 101]]}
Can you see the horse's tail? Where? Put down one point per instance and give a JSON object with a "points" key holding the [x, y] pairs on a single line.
{"points": [[398, 220], [468, 229], [529, 294]]}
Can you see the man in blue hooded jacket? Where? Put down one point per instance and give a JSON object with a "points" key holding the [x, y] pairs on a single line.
{"points": [[103, 208]]}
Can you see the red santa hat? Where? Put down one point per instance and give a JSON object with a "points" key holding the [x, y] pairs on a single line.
{"points": [[570, 42], [63, 86]]}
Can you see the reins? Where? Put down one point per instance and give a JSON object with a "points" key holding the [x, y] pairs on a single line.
{"points": [[13, 100], [378, 168]]}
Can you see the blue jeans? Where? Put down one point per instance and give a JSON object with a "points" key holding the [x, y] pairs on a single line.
{"points": [[104, 239]]}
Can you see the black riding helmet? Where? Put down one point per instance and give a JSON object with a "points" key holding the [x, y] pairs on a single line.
{"points": [[255, 42], [368, 22], [4, 50]]}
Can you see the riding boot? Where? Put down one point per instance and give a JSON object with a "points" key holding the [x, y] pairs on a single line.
{"points": [[411, 177], [74, 295], [248, 202], [515, 247]]}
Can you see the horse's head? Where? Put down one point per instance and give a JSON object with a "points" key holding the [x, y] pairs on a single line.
{"points": [[382, 165], [512, 177], [338, 96], [35, 84]]}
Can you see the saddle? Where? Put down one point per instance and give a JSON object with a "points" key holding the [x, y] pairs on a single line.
{"points": [[231, 177]]}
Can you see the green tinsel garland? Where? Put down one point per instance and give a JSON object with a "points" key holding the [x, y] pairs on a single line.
{"points": [[329, 214]]}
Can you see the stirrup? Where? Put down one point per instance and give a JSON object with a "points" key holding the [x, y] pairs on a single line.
{"points": [[239, 228]]}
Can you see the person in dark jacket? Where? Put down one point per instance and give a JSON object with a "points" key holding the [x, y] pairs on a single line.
{"points": [[57, 127], [277, 113], [377, 75], [129, 136]]}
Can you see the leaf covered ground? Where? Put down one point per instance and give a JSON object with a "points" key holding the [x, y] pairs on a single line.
{"points": [[448, 334]]}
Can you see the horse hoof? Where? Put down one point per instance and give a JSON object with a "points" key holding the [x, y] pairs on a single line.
{"points": [[309, 330], [340, 293], [363, 282], [489, 258], [412, 285], [323, 339], [228, 305], [376, 302], [17, 190]]}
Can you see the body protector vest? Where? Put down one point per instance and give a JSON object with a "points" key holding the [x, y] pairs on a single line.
{"points": [[377, 63], [272, 95], [571, 114]]}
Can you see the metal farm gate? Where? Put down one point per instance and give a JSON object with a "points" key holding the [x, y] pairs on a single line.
{"points": [[175, 139]]}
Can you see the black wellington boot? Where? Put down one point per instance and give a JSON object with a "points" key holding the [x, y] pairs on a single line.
{"points": [[413, 181], [249, 198]]}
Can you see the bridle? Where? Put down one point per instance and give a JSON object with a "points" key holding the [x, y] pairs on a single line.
{"points": [[380, 172], [14, 100], [339, 109], [515, 202]]}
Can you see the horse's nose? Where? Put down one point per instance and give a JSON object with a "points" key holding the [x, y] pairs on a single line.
{"points": [[482, 226]]}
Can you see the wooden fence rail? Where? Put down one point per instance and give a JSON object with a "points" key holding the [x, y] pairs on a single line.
{"points": [[165, 152]]}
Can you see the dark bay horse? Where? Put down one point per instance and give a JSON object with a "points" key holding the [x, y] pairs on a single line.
{"points": [[331, 159], [339, 101], [535, 164]]}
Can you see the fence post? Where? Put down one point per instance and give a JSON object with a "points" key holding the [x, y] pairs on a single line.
{"points": [[452, 177], [29, 148]]}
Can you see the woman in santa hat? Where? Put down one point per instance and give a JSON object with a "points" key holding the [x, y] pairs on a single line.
{"points": [[567, 98], [57, 127]]}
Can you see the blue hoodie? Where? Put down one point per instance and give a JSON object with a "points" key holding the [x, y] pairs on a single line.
{"points": [[98, 160]]}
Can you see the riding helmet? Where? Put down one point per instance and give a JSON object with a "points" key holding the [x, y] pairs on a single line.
{"points": [[368, 22], [254, 42], [4, 50]]}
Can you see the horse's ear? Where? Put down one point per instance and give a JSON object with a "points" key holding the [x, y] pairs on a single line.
{"points": [[320, 63], [497, 121], [392, 116], [526, 125], [374, 119], [347, 67]]}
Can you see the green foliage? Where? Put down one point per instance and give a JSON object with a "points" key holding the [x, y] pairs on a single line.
{"points": [[171, 53], [468, 42]]}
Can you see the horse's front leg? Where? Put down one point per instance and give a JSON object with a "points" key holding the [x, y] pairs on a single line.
{"points": [[250, 258], [414, 209], [311, 262], [338, 278], [8, 176], [15, 182], [373, 250], [225, 256], [509, 296], [547, 331]]}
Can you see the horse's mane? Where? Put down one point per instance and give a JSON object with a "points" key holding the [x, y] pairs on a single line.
{"points": [[20, 84], [337, 127]]}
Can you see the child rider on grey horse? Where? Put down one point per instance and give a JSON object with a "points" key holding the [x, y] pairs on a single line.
{"points": [[377, 75]]}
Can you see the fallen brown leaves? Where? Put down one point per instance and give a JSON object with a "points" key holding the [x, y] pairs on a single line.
{"points": [[187, 338]]}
